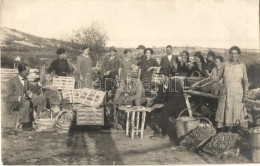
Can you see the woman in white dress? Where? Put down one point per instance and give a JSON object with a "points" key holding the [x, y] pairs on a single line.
{"points": [[231, 110]]}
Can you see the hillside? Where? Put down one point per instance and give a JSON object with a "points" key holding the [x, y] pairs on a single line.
{"points": [[38, 51], [16, 43]]}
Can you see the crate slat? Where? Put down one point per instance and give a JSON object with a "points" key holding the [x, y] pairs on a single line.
{"points": [[90, 116]]}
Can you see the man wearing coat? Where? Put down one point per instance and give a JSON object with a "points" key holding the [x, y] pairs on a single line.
{"points": [[169, 62], [110, 68], [19, 97]]}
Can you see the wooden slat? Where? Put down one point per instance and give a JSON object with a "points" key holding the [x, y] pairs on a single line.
{"points": [[192, 92]]}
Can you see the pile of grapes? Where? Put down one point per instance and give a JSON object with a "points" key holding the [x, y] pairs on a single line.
{"points": [[220, 143], [198, 136]]}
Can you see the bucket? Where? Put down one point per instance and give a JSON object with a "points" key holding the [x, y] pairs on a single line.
{"points": [[255, 144], [185, 124]]}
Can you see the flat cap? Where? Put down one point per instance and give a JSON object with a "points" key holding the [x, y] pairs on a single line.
{"points": [[60, 51], [112, 48]]}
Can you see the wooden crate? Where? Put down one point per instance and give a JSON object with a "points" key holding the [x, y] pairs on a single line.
{"points": [[75, 95], [64, 82], [90, 116], [67, 94], [72, 95], [203, 85], [91, 97]]}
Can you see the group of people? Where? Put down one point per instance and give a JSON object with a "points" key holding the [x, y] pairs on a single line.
{"points": [[135, 75]]}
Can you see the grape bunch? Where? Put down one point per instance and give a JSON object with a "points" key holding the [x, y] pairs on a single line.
{"points": [[197, 136], [221, 142]]}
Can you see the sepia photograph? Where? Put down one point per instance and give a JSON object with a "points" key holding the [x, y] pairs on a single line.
{"points": [[130, 82]]}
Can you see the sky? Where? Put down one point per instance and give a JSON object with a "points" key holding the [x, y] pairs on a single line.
{"points": [[128, 23]]}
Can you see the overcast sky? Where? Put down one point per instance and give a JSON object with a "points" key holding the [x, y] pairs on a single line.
{"points": [[207, 23]]}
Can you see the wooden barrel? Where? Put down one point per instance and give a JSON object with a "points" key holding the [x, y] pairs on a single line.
{"points": [[255, 144]]}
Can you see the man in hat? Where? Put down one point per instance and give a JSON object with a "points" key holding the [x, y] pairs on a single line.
{"points": [[60, 65], [169, 61], [19, 97], [110, 68], [141, 57]]}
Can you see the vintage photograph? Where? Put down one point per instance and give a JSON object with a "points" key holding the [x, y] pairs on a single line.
{"points": [[130, 82]]}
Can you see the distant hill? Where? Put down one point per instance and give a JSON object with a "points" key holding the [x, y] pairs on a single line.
{"points": [[16, 43]]}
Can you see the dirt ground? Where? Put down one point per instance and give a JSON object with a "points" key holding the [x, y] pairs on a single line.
{"points": [[89, 145]]}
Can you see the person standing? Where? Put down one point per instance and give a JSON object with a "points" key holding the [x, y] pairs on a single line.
{"points": [[147, 69], [231, 111], [84, 69], [198, 65], [184, 63], [19, 97], [169, 62], [140, 59], [110, 68], [60, 65], [126, 65], [210, 68]]}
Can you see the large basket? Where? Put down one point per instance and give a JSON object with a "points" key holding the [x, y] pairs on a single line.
{"points": [[199, 136], [221, 143], [45, 124], [204, 85], [185, 124], [64, 120], [255, 144]]}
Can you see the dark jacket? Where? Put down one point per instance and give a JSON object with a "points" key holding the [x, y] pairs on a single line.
{"points": [[140, 60], [15, 89], [165, 63], [60, 66], [111, 65]]}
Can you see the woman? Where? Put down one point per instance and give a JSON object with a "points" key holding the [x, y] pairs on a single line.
{"points": [[183, 64], [218, 84], [147, 69], [231, 110], [210, 68], [84, 69], [219, 63], [198, 65], [126, 65]]}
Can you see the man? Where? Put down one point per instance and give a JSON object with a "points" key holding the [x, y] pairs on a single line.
{"points": [[173, 101], [169, 62], [141, 58], [110, 68], [130, 92], [19, 97], [60, 65]]}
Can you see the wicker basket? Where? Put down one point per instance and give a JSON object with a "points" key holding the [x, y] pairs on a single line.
{"points": [[185, 124], [204, 85], [64, 120], [198, 142], [45, 124]]}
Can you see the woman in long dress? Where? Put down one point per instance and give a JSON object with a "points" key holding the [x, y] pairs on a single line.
{"points": [[231, 110], [84, 69], [126, 65]]}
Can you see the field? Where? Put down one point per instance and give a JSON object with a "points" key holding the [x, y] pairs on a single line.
{"points": [[93, 145]]}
